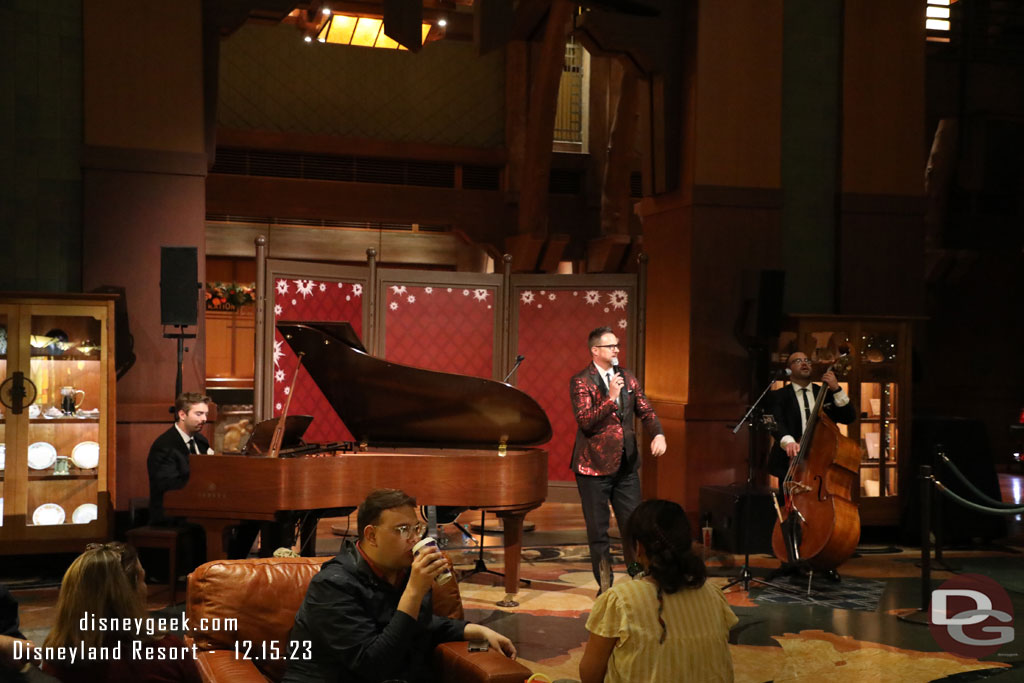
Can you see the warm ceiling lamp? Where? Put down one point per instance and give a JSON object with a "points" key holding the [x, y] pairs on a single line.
{"points": [[346, 29]]}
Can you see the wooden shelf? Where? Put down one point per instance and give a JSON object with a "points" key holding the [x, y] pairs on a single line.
{"points": [[46, 475]]}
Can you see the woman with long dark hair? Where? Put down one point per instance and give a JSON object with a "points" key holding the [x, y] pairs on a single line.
{"points": [[668, 624], [103, 632]]}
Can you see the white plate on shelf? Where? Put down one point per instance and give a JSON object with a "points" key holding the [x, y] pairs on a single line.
{"points": [[86, 455], [3, 457], [48, 514], [84, 513], [41, 455]]}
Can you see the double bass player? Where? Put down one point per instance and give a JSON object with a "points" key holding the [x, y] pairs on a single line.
{"points": [[791, 408]]}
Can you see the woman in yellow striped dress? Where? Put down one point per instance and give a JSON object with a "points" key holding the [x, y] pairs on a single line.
{"points": [[668, 624]]}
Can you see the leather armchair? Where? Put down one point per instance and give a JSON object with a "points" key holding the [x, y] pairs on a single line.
{"points": [[264, 594]]}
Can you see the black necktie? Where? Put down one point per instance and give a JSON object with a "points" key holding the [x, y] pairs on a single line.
{"points": [[807, 406], [192, 448]]}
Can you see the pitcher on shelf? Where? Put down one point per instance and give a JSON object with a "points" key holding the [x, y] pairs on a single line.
{"points": [[70, 399]]}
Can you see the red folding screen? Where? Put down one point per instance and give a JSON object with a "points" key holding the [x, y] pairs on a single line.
{"points": [[551, 332], [453, 322]]}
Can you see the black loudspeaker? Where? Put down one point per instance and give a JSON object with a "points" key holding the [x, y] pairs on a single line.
{"points": [[724, 509], [770, 286], [761, 311], [179, 285], [403, 22], [966, 443], [124, 342]]}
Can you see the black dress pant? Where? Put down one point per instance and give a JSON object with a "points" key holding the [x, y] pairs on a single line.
{"points": [[622, 490]]}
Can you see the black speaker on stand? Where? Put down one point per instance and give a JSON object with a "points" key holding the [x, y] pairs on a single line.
{"points": [[179, 297]]}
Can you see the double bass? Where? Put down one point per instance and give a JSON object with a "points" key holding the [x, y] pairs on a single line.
{"points": [[819, 524]]}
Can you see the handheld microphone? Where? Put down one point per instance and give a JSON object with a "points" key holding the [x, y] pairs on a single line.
{"points": [[618, 371]]}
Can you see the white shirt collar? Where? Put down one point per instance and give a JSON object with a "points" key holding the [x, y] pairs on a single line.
{"points": [[603, 374], [797, 388], [183, 435]]}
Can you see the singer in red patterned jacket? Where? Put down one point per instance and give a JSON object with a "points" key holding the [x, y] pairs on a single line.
{"points": [[606, 399]]}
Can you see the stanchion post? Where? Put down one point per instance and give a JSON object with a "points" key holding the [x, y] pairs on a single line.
{"points": [[926, 518], [937, 513]]}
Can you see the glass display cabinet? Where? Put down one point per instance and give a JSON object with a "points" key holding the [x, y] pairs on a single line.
{"points": [[57, 464], [875, 372]]}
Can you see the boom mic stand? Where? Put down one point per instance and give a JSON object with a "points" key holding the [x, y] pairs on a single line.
{"points": [[754, 419], [480, 567]]}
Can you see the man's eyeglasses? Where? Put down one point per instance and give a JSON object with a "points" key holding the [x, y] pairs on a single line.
{"points": [[408, 532], [805, 361], [606, 346]]}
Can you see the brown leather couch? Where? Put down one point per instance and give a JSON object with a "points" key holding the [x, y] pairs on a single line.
{"points": [[264, 595]]}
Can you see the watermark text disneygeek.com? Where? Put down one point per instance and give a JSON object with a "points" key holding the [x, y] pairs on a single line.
{"points": [[151, 625]]}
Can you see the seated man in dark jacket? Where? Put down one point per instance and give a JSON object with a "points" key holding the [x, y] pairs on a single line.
{"points": [[367, 615]]}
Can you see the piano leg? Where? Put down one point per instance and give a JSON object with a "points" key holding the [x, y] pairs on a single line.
{"points": [[512, 521], [216, 534]]}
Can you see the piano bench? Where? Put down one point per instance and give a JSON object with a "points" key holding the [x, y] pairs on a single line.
{"points": [[160, 537]]}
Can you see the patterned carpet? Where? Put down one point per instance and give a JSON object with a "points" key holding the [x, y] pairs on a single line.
{"points": [[850, 593]]}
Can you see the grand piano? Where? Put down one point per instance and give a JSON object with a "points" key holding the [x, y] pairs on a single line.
{"points": [[446, 439]]}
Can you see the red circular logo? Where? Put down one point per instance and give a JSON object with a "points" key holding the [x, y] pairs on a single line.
{"points": [[971, 616]]}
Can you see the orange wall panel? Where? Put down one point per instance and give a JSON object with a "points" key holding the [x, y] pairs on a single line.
{"points": [[739, 93], [884, 148], [143, 84]]}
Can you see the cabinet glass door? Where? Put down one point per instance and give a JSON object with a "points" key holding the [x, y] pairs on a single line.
{"points": [[64, 453], [878, 354]]}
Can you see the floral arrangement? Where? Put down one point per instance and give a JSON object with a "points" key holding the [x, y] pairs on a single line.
{"points": [[222, 296]]}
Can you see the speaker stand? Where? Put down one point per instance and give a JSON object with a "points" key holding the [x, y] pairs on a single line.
{"points": [[181, 336]]}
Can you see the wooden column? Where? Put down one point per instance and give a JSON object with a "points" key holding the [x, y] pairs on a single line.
{"points": [[616, 206], [517, 79], [533, 198]]}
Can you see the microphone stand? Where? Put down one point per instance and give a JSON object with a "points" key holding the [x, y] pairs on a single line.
{"points": [[480, 567], [753, 419], [519, 360]]}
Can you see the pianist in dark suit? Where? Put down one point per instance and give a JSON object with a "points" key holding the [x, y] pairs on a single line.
{"points": [[605, 400], [168, 456], [168, 468], [367, 615]]}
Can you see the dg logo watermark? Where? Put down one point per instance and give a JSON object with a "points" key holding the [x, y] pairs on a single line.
{"points": [[971, 616]]}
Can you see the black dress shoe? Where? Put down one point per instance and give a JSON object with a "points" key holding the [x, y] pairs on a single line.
{"points": [[832, 575]]}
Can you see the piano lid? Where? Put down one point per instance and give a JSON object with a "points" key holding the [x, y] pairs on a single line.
{"points": [[387, 404]]}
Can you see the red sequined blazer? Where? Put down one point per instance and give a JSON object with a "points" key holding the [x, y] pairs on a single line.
{"points": [[605, 431]]}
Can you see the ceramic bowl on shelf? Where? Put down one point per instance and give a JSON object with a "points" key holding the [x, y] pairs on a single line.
{"points": [[86, 455], [48, 514], [41, 455], [84, 513]]}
